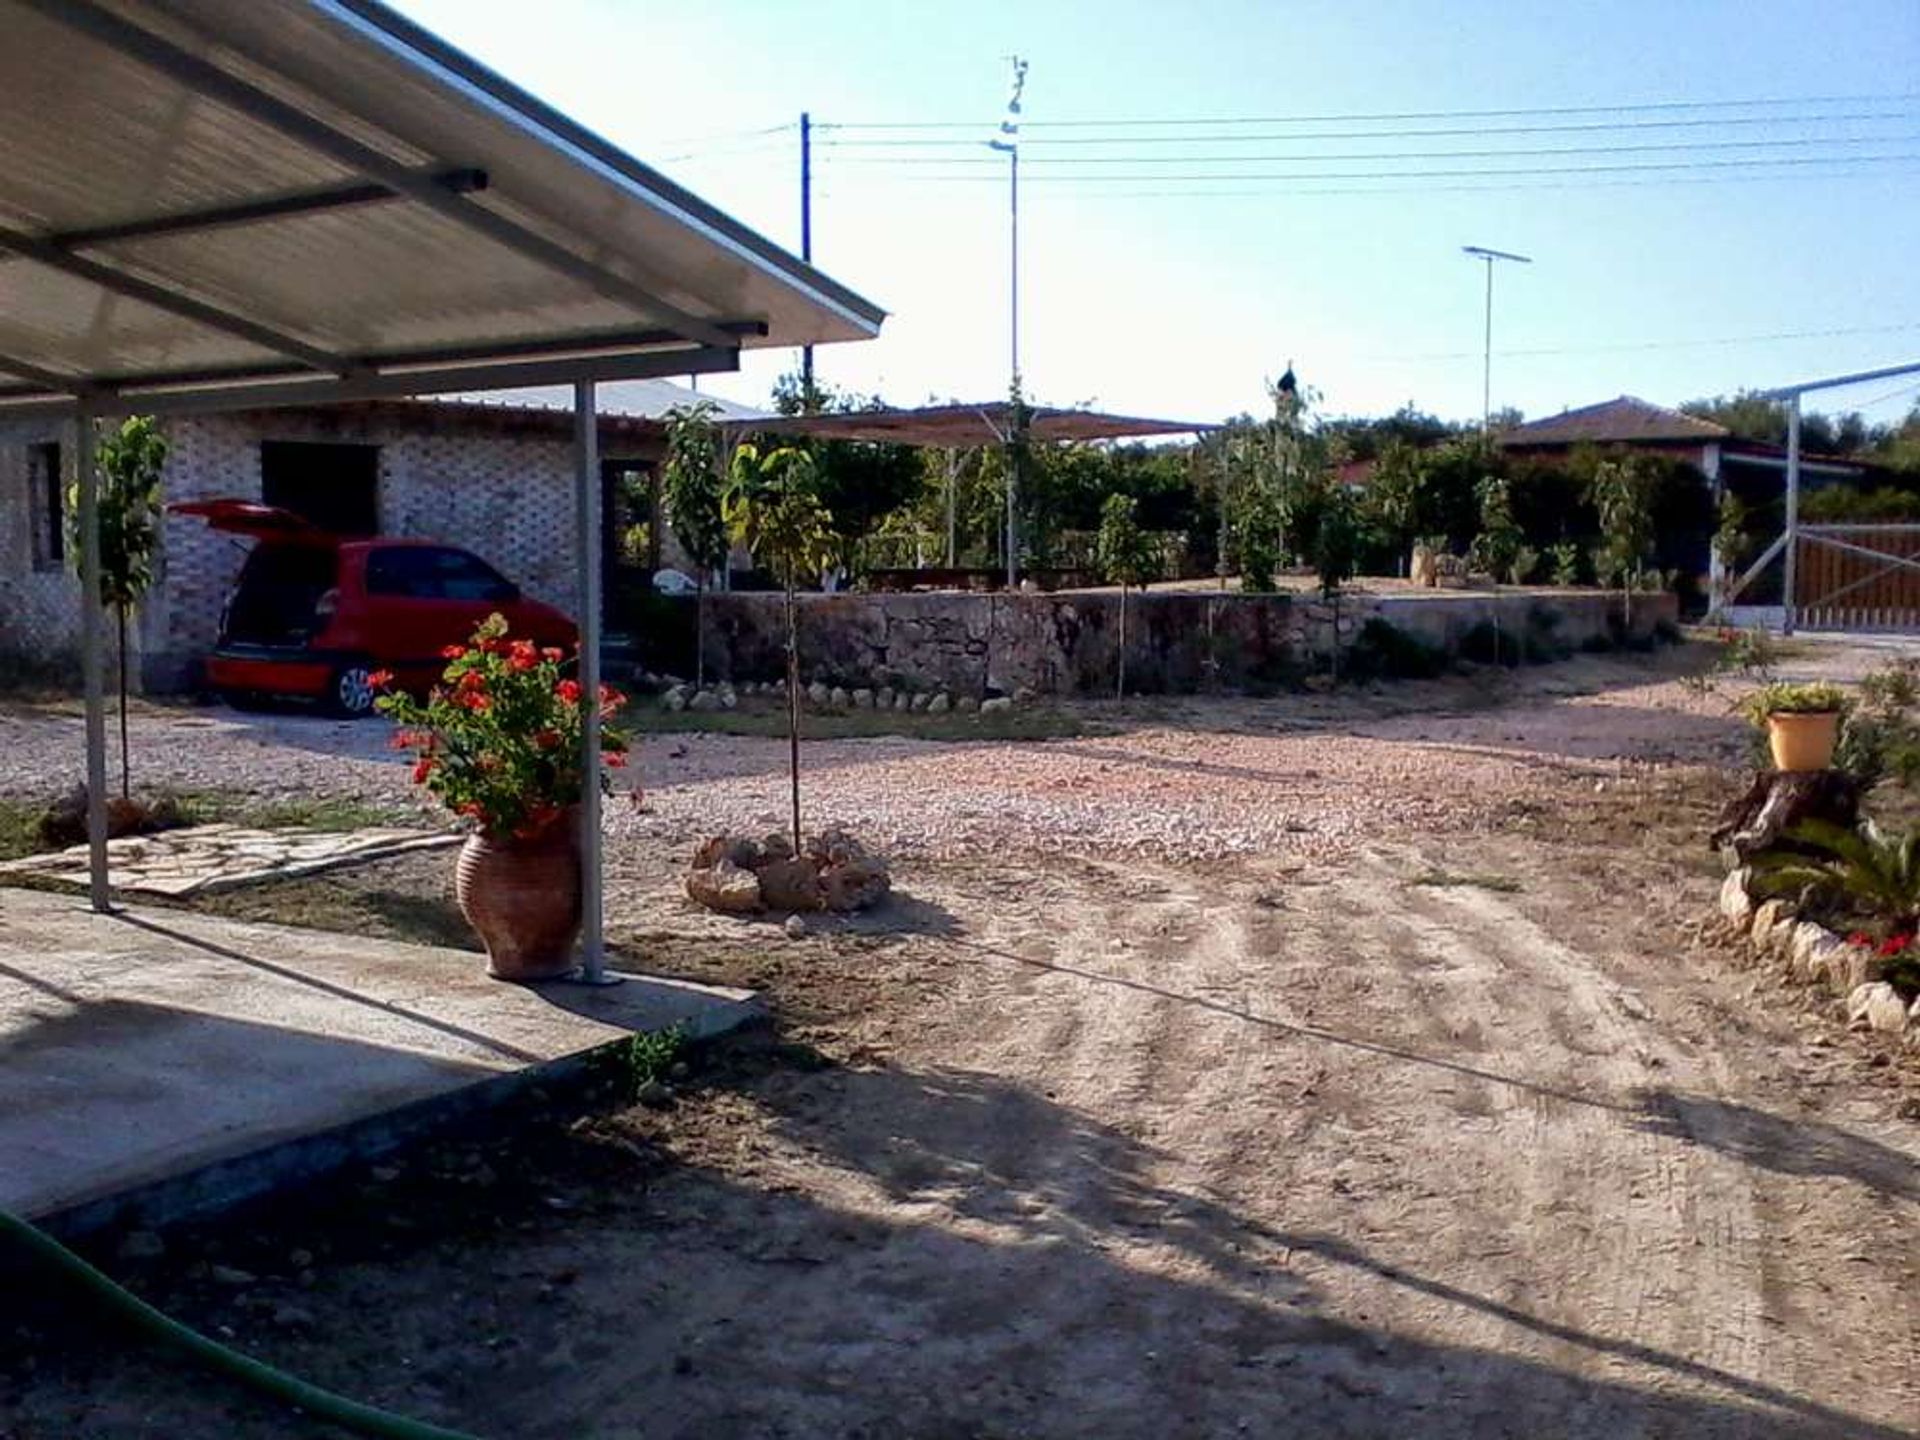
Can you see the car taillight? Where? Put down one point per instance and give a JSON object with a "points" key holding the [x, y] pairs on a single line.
{"points": [[326, 605]]}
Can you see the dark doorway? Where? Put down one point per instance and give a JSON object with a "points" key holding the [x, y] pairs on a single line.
{"points": [[336, 487]]}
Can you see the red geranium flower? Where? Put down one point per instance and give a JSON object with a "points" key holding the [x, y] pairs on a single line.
{"points": [[380, 679], [1860, 938], [1893, 945], [546, 739], [422, 768], [616, 759], [553, 654], [569, 691], [453, 652]]}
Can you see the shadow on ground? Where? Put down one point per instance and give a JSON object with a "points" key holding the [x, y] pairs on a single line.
{"points": [[980, 1262]]}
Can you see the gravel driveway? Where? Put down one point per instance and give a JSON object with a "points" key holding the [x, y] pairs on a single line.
{"points": [[1180, 780]]}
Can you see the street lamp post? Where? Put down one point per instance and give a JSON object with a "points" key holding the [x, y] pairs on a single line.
{"points": [[1486, 370], [1007, 141]]}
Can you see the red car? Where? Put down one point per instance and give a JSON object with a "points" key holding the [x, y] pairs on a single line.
{"points": [[314, 615]]}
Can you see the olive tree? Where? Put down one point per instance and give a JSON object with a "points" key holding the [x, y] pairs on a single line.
{"points": [[129, 464], [1623, 491], [771, 507], [1127, 555], [693, 494]]}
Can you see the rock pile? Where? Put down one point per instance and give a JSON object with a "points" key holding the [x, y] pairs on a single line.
{"points": [[823, 694], [64, 822], [737, 875]]}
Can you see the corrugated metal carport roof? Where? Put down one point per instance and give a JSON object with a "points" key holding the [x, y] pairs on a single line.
{"points": [[227, 204]]}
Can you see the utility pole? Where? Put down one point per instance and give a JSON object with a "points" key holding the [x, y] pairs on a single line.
{"points": [[806, 235], [1486, 369], [1008, 142]]}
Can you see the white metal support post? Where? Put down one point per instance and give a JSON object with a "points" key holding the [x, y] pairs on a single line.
{"points": [[586, 454], [92, 663], [1793, 514]]}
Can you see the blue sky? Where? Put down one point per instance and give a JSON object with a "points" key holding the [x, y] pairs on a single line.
{"points": [[1139, 299]]}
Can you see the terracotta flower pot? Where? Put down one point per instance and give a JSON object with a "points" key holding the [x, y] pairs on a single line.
{"points": [[522, 898], [1803, 741]]}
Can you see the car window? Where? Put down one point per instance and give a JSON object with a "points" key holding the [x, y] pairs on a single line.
{"points": [[427, 572]]}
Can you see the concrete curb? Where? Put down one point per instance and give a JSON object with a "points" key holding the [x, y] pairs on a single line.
{"points": [[205, 1192]]}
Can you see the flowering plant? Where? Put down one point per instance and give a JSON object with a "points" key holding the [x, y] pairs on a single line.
{"points": [[498, 741]]}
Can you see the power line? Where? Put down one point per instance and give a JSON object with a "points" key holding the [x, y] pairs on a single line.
{"points": [[1393, 188], [1644, 167], [1424, 132], [1663, 106], [1522, 153]]}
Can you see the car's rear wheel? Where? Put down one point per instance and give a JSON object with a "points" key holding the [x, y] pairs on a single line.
{"points": [[351, 691]]}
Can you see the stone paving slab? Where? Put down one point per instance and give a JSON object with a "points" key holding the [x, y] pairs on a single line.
{"points": [[200, 858], [156, 1063]]}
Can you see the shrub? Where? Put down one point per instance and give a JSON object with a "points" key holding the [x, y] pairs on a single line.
{"points": [[1865, 871], [1385, 650], [1484, 644], [1785, 697], [1880, 738], [1567, 564]]}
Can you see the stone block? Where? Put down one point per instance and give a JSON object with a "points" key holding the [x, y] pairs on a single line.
{"points": [[1877, 1006], [1735, 903]]}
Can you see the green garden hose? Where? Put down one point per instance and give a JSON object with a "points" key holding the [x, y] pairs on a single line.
{"points": [[322, 1404]]}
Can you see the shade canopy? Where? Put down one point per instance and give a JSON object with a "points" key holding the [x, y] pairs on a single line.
{"points": [[969, 427], [219, 204]]}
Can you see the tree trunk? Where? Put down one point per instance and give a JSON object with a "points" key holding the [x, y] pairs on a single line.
{"points": [[1120, 685], [793, 711], [700, 630], [126, 775], [1777, 800]]}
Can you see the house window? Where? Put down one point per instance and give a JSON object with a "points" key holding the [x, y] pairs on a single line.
{"points": [[47, 504]]}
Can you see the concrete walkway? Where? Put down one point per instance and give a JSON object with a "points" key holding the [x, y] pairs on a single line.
{"points": [[154, 1062]]}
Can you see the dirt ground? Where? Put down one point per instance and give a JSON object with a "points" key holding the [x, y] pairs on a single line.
{"points": [[1429, 1107]]}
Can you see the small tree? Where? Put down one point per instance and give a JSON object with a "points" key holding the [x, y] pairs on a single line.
{"points": [[771, 507], [1623, 493], [128, 463], [1501, 539], [693, 494], [1128, 555]]}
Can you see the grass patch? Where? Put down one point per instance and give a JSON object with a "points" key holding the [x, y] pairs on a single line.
{"points": [[19, 829], [1036, 723], [1466, 880]]}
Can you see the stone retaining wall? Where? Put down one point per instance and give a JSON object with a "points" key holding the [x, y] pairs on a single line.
{"points": [[1068, 643]]}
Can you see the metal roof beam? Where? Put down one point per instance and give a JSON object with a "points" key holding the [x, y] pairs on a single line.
{"points": [[44, 252], [44, 379], [197, 73], [582, 347], [254, 394], [268, 207], [1886, 372]]}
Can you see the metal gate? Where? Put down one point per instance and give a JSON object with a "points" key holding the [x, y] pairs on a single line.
{"points": [[1836, 577], [1858, 577]]}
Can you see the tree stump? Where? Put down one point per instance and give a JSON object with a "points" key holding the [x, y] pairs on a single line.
{"points": [[1779, 799]]}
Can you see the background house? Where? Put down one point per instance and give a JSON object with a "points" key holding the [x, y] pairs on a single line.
{"points": [[492, 475], [1752, 470]]}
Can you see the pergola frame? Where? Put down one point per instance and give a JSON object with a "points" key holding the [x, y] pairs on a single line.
{"points": [[1824, 535], [663, 337], [967, 426]]}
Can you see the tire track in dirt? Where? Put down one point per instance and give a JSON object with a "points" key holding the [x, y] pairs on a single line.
{"points": [[1510, 1181]]}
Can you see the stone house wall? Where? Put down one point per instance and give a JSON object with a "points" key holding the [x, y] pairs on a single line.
{"points": [[1067, 643], [504, 491]]}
